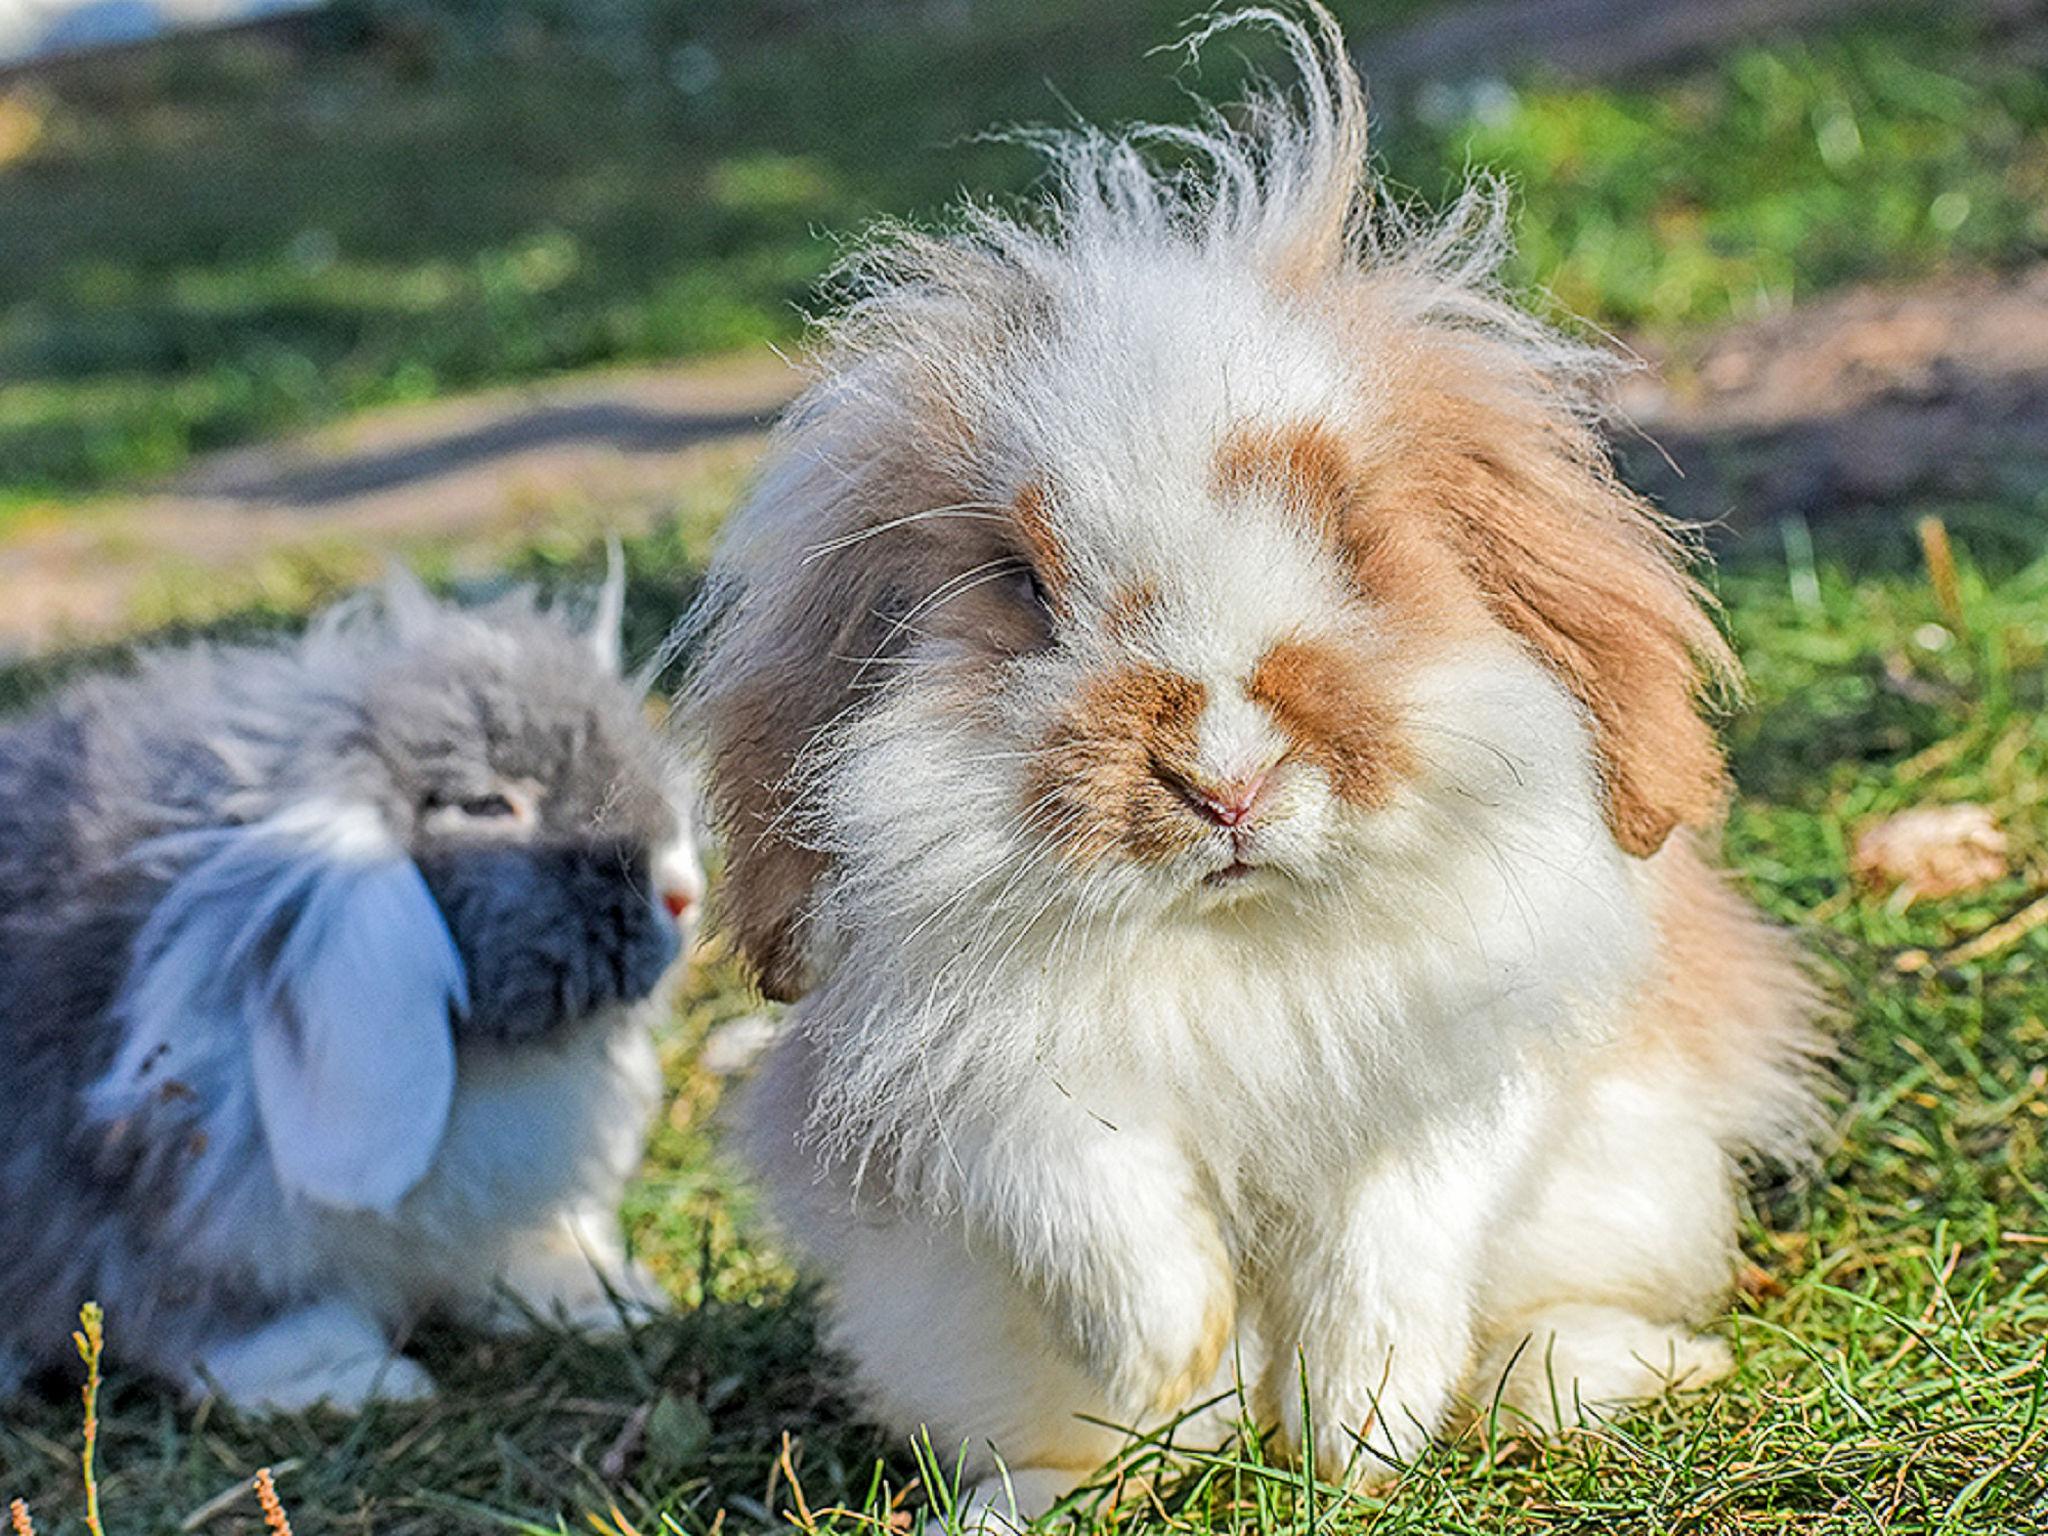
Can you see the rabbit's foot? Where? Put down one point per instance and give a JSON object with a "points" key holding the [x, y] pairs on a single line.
{"points": [[1578, 1364], [575, 1275], [1372, 1418], [330, 1354], [1377, 1369]]}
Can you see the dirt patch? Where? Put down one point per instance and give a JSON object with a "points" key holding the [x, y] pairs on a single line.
{"points": [[1862, 400], [466, 477]]}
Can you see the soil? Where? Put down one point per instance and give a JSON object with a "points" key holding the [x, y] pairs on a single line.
{"points": [[467, 477], [1862, 400]]}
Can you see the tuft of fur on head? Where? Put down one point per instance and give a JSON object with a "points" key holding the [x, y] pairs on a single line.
{"points": [[972, 633]]}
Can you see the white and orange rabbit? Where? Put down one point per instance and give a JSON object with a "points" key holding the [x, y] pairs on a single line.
{"points": [[1217, 759]]}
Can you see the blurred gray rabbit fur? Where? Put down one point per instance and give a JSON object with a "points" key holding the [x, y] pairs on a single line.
{"points": [[326, 974]]}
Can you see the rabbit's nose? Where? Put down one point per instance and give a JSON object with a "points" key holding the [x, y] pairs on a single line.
{"points": [[1231, 803], [678, 882]]}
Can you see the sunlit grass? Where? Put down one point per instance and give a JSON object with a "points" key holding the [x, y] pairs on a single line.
{"points": [[1889, 1340]]}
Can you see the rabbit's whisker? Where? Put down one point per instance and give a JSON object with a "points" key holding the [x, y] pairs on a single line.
{"points": [[979, 511]]}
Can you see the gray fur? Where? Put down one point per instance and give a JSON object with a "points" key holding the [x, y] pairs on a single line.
{"points": [[150, 1192]]}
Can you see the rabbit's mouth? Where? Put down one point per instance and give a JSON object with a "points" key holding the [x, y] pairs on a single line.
{"points": [[1236, 871]]}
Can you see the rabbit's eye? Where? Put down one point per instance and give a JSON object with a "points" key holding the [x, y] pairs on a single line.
{"points": [[503, 811], [1024, 582]]}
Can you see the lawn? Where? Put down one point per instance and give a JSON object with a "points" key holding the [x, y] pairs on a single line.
{"points": [[1891, 1335], [454, 204]]}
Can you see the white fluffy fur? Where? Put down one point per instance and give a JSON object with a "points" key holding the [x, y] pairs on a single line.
{"points": [[1046, 1131]]}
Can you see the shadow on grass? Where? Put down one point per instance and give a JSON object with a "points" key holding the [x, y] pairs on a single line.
{"points": [[618, 424]]}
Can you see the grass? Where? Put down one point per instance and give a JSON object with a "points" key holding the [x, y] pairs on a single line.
{"points": [[411, 199], [1890, 1339], [415, 201]]}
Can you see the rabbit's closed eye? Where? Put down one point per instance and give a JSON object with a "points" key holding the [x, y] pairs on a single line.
{"points": [[1024, 585], [502, 810]]}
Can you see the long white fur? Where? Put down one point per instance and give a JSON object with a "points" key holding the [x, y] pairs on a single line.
{"points": [[351, 1060], [1032, 1122]]}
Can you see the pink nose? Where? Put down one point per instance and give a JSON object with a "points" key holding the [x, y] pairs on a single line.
{"points": [[1230, 804]]}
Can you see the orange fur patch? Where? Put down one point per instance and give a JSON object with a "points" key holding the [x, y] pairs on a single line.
{"points": [[1483, 508], [1338, 716], [1477, 508], [1032, 508], [1306, 464], [1731, 1007], [1097, 778]]}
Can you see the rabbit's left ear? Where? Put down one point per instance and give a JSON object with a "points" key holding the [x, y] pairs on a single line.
{"points": [[607, 624], [1588, 576], [353, 1053]]}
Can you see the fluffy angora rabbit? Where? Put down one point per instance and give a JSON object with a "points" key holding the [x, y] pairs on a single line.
{"points": [[1216, 757], [326, 975]]}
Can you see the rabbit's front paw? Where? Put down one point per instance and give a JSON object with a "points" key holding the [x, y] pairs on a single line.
{"points": [[1156, 1346], [1374, 1413], [576, 1275], [1577, 1364], [328, 1355]]}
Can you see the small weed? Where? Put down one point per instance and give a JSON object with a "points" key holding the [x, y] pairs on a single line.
{"points": [[91, 1342]]}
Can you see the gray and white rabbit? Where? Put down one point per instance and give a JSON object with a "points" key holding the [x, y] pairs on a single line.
{"points": [[326, 975]]}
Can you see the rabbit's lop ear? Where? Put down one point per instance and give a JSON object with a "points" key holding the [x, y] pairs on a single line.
{"points": [[353, 1054], [312, 943], [1585, 573], [607, 623]]}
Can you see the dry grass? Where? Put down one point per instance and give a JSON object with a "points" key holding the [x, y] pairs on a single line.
{"points": [[91, 1341]]}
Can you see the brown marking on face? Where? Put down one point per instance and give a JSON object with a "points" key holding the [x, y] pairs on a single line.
{"points": [[1032, 509], [1409, 576], [1306, 464], [1481, 508], [1097, 780], [1339, 714]]}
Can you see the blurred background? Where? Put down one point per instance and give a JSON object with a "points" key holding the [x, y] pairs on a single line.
{"points": [[287, 286], [288, 290]]}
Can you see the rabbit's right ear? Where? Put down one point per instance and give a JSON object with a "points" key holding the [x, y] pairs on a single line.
{"points": [[354, 1054], [321, 936]]}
